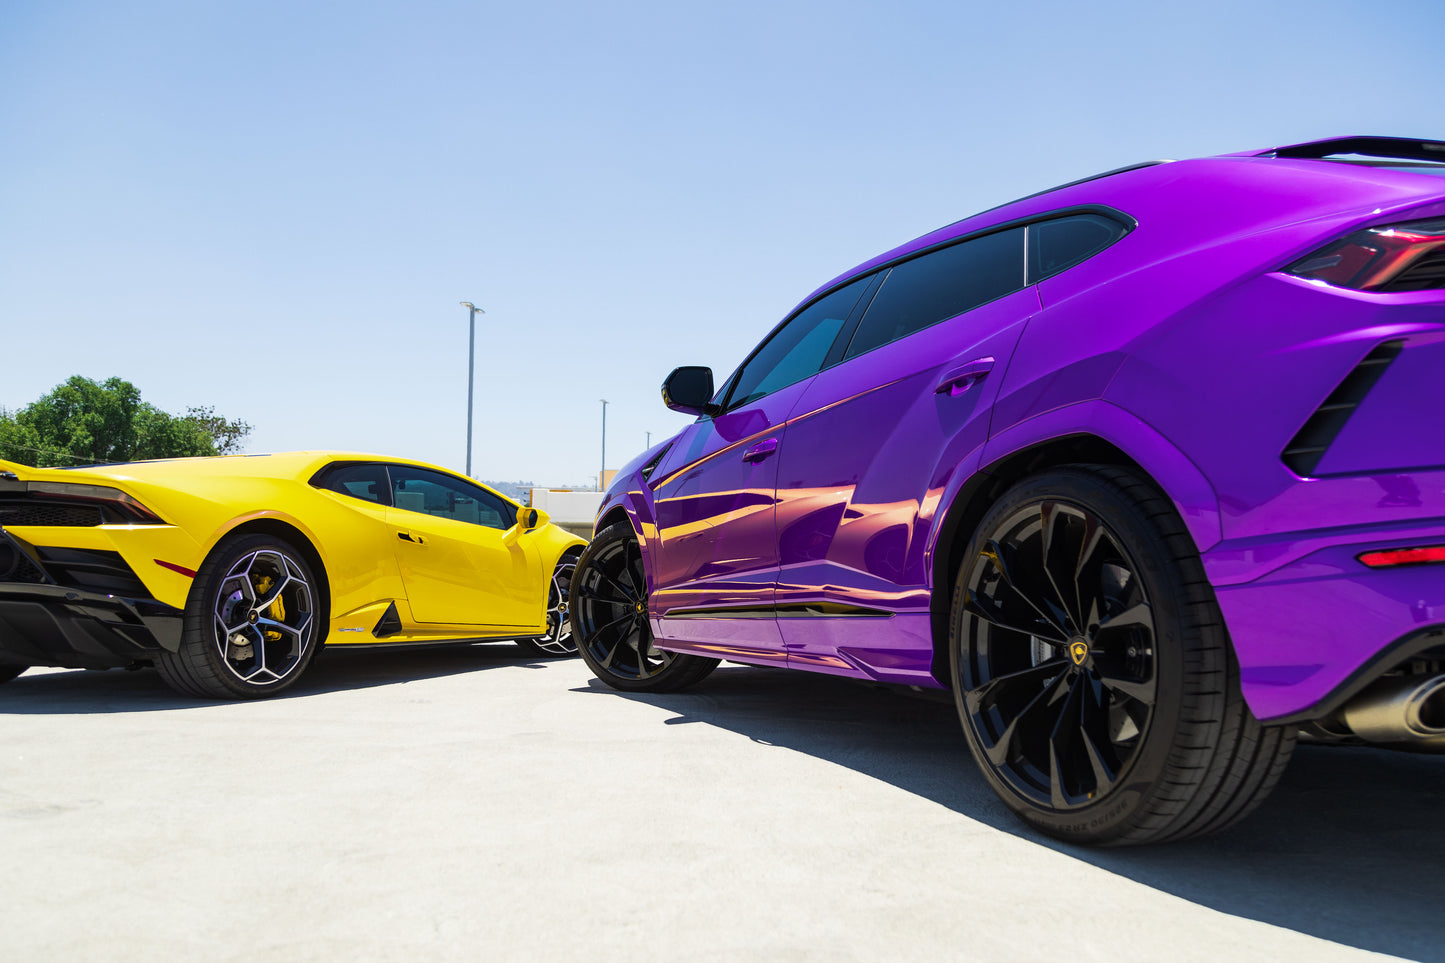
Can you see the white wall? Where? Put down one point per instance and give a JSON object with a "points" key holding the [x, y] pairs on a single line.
{"points": [[567, 507]]}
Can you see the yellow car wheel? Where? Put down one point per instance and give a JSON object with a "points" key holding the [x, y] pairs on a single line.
{"points": [[557, 643], [251, 622]]}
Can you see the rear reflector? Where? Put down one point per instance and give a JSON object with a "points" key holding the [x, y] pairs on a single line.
{"points": [[188, 573], [1391, 557]]}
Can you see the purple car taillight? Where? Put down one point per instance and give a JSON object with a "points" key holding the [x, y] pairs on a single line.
{"points": [[1398, 257]]}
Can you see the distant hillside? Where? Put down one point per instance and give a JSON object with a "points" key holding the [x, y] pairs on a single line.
{"points": [[518, 491]]}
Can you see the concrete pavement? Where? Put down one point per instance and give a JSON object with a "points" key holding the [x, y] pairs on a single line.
{"points": [[467, 803]]}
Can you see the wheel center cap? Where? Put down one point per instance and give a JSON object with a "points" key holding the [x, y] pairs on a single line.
{"points": [[1078, 651], [253, 617]]}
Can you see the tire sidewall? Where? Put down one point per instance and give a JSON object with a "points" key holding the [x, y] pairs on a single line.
{"points": [[1127, 804]]}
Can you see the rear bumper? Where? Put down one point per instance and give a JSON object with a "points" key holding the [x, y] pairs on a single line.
{"points": [[1314, 631], [52, 625]]}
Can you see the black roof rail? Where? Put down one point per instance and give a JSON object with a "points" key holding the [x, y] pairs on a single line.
{"points": [[1398, 148], [1083, 180]]}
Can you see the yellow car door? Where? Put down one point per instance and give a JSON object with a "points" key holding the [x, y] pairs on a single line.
{"points": [[457, 562]]}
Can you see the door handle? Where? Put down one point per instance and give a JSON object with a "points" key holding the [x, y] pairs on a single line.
{"points": [[965, 376], [409, 537], [761, 450]]}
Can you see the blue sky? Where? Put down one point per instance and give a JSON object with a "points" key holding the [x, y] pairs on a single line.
{"points": [[274, 208]]}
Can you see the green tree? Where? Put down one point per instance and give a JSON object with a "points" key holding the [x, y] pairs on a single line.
{"points": [[88, 422], [227, 436]]}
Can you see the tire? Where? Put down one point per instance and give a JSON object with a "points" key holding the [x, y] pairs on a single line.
{"points": [[609, 620], [557, 643], [8, 672], [252, 622], [1092, 671]]}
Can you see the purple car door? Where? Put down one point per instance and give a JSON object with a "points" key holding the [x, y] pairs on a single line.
{"points": [[872, 443], [716, 552]]}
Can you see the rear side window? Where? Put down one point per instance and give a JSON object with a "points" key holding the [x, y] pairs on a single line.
{"points": [[796, 350], [939, 285], [367, 482], [1059, 244]]}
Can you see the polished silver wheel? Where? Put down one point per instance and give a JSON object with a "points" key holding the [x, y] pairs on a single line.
{"points": [[558, 640], [263, 618]]}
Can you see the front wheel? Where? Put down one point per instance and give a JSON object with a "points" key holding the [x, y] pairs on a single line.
{"points": [[557, 643], [610, 621], [1092, 671], [250, 626]]}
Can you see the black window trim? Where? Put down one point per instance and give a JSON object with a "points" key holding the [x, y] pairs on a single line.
{"points": [[880, 271], [319, 478], [1118, 217]]}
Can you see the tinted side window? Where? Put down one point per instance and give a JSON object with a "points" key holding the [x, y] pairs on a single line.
{"points": [[797, 350], [367, 482], [1061, 243], [939, 285], [432, 493]]}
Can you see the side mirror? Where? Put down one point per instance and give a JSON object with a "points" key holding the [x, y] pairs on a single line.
{"points": [[530, 518], [689, 390]]}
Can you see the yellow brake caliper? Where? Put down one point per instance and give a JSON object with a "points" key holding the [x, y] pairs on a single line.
{"points": [[276, 610]]}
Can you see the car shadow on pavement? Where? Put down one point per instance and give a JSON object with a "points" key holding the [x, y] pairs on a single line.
{"points": [[1347, 848], [83, 691]]}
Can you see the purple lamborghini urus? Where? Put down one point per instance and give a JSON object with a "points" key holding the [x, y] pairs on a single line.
{"points": [[1148, 469]]}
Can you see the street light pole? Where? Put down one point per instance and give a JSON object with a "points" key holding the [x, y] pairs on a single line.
{"points": [[649, 440], [601, 475], [471, 372]]}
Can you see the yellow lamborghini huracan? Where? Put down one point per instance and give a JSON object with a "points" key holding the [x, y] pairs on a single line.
{"points": [[228, 573]]}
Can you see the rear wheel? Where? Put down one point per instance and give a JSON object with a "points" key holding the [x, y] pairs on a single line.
{"points": [[558, 640], [1092, 671], [250, 625], [610, 620], [8, 672]]}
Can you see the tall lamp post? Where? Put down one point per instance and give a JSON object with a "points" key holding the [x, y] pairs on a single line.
{"points": [[471, 372], [601, 475]]}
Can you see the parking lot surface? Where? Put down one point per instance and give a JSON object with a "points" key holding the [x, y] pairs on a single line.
{"points": [[469, 803]]}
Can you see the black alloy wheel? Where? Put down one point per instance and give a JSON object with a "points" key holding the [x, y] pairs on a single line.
{"points": [[610, 620], [557, 643], [1059, 684], [1091, 669]]}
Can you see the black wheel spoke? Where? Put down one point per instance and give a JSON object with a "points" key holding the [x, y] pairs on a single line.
{"points": [[1001, 560], [1139, 615], [1001, 751], [626, 617], [1051, 520], [1094, 737], [988, 610], [1138, 691], [1021, 682], [624, 594], [1088, 587]]}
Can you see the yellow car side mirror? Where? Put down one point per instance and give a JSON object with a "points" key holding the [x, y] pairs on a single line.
{"points": [[528, 519]]}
